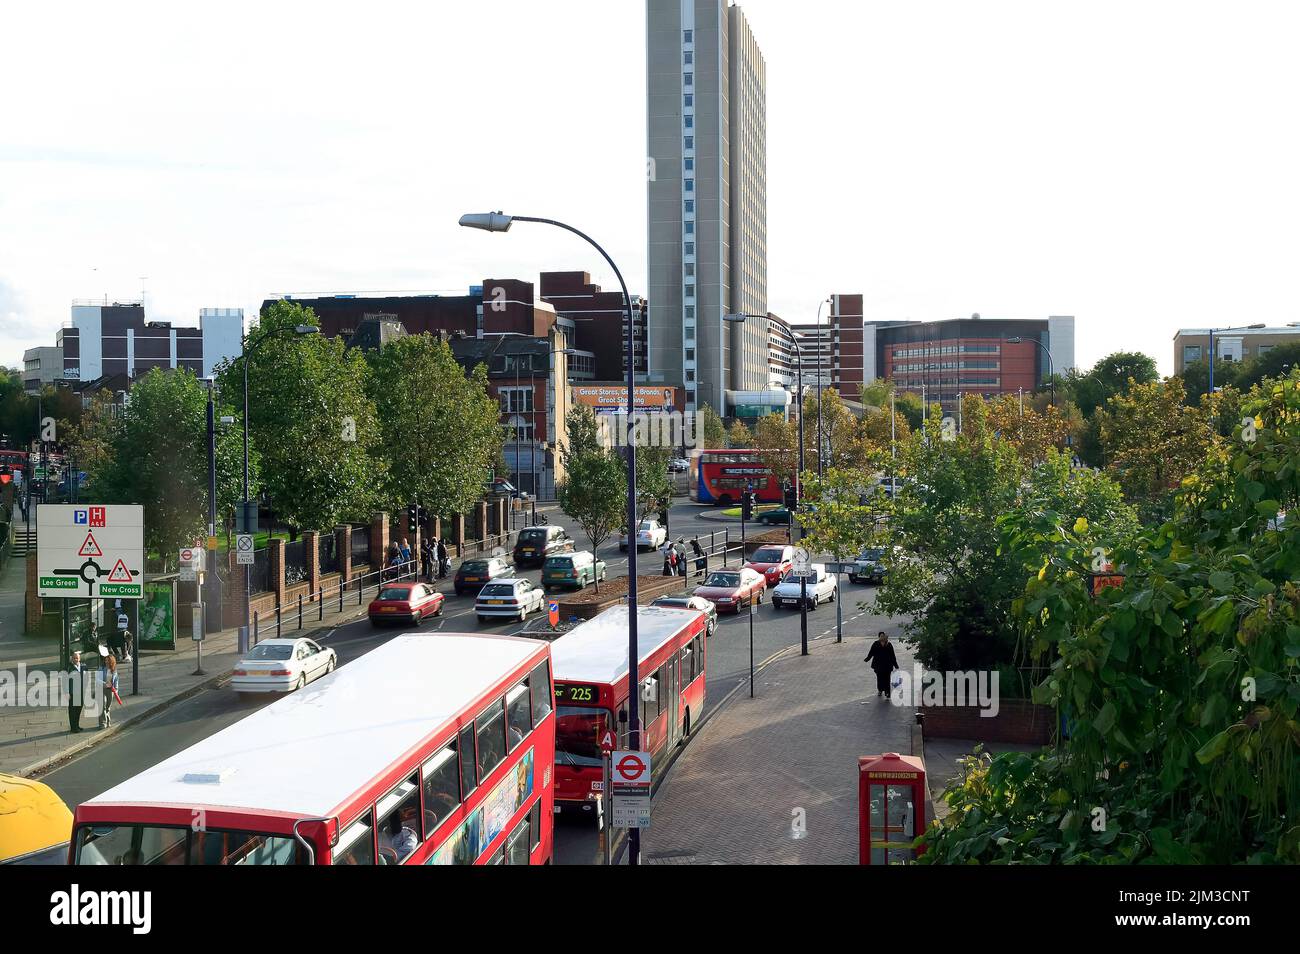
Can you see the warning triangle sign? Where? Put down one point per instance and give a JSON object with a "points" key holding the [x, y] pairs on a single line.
{"points": [[120, 573], [90, 548]]}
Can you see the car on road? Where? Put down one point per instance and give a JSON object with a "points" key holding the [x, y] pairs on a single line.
{"points": [[821, 589], [282, 665], [405, 602], [778, 516], [35, 824], [773, 561], [535, 544], [650, 535], [729, 590], [869, 566], [511, 598], [699, 603], [500, 487], [573, 570], [679, 465], [472, 575]]}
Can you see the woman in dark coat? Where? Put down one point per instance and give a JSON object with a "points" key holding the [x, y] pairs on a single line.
{"points": [[883, 661]]}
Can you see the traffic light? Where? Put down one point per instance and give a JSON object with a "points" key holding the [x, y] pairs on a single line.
{"points": [[6, 474], [747, 505], [412, 518], [791, 501]]}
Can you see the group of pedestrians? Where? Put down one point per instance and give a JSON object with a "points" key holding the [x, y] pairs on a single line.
{"points": [[675, 559], [79, 685], [435, 561]]}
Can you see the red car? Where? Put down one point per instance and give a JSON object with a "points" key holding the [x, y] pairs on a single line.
{"points": [[405, 603], [774, 562], [732, 589]]}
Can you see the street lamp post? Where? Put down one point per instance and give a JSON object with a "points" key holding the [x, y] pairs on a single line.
{"points": [[532, 400], [1050, 367], [798, 478], [1210, 388], [825, 301], [500, 222]]}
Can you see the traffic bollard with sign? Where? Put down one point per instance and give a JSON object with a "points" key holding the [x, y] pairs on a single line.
{"points": [[196, 634]]}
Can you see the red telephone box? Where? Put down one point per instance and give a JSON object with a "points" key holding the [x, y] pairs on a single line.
{"points": [[891, 808]]}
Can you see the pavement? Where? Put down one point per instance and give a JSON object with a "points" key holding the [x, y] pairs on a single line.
{"points": [[773, 779]]}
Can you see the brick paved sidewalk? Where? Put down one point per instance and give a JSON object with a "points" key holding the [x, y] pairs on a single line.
{"points": [[32, 737], [731, 797]]}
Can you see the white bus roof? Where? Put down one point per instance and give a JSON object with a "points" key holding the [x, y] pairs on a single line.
{"points": [[313, 750], [596, 651]]}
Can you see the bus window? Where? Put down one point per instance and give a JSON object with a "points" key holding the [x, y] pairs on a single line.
{"points": [[539, 680], [517, 843], [535, 827], [519, 714], [356, 845], [132, 845], [490, 736], [465, 744], [399, 822], [441, 787], [577, 735]]}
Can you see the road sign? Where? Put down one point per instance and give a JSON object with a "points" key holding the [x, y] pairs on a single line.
{"points": [[246, 517], [630, 789], [800, 562], [192, 557], [553, 613], [244, 555], [607, 741], [804, 572], [90, 551]]}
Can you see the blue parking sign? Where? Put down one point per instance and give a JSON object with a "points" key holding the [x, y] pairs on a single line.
{"points": [[79, 516]]}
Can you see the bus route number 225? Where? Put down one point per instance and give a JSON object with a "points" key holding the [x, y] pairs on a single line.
{"points": [[575, 692]]}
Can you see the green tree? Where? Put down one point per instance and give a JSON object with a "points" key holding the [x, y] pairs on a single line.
{"points": [[654, 486], [833, 515], [312, 420], [1111, 376], [593, 490], [738, 435], [1151, 439], [156, 454], [776, 439], [1275, 363], [709, 428], [440, 429]]}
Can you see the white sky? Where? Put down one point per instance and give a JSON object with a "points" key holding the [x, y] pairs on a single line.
{"points": [[1132, 164]]}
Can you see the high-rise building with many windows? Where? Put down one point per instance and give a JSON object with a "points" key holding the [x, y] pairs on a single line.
{"points": [[707, 244]]}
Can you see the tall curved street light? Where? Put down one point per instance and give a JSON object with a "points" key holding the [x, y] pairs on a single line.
{"points": [[820, 449], [798, 480], [1050, 372], [500, 222]]}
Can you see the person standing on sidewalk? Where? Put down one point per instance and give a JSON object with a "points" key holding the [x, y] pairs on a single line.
{"points": [[426, 559], [108, 678], [444, 559], [76, 692], [881, 658]]}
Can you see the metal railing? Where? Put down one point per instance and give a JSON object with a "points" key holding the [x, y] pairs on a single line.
{"points": [[293, 617]]}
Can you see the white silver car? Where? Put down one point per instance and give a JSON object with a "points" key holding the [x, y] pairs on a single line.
{"points": [[282, 665], [513, 599], [822, 589], [650, 535]]}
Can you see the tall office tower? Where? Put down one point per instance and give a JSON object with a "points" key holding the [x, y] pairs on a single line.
{"points": [[707, 245]]}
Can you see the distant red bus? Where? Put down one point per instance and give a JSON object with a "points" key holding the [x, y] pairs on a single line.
{"points": [[13, 458], [722, 476], [591, 691], [428, 750]]}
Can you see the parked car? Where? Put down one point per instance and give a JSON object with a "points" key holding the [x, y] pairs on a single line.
{"points": [[473, 574], [500, 487], [35, 824], [405, 603], [869, 567], [510, 598], [574, 570], [679, 465], [779, 516], [282, 665], [535, 544], [699, 603], [650, 535], [732, 589], [822, 589], [773, 561]]}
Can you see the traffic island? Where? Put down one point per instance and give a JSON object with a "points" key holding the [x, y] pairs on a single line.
{"points": [[588, 603]]}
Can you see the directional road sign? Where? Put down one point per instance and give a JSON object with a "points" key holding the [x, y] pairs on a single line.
{"points": [[86, 550]]}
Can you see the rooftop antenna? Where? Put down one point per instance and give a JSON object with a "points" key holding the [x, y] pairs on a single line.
{"points": [[143, 279]]}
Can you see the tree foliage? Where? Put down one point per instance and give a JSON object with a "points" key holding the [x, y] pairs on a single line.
{"points": [[440, 429], [593, 490], [1151, 439], [709, 428], [739, 435]]}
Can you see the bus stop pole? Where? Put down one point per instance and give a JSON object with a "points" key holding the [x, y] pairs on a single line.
{"points": [[607, 830]]}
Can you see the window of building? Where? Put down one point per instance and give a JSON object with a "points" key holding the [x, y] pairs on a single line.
{"points": [[688, 57], [690, 312], [689, 248], [690, 290], [1191, 353], [690, 142], [690, 268], [688, 100], [690, 375], [689, 205], [690, 332], [688, 79], [690, 164], [690, 354], [688, 36], [690, 185], [690, 228]]}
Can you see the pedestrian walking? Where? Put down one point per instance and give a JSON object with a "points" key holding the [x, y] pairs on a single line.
{"points": [[108, 690], [444, 560], [128, 644], [426, 559], [679, 552], [701, 561], [670, 560], [76, 692], [405, 550], [881, 658], [117, 643]]}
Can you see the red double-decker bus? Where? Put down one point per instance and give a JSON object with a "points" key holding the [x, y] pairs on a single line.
{"points": [[428, 750], [591, 692], [723, 476]]}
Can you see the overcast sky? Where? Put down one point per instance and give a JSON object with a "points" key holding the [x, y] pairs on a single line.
{"points": [[1131, 163]]}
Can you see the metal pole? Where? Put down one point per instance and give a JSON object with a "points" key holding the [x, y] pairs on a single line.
{"points": [[893, 447], [1211, 390], [248, 570], [211, 580], [820, 438], [839, 616], [633, 680]]}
